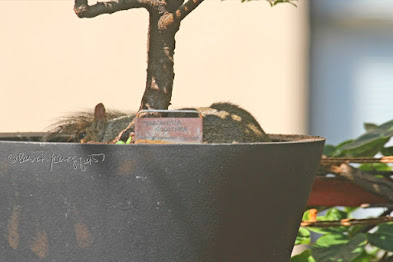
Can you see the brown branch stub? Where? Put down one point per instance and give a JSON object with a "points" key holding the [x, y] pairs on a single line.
{"points": [[169, 19], [84, 10], [187, 8]]}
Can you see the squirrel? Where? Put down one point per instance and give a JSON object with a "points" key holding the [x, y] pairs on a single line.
{"points": [[222, 123]]}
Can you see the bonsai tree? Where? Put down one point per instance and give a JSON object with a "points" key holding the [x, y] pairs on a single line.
{"points": [[165, 17]]}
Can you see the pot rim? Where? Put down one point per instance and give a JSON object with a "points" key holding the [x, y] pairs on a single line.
{"points": [[23, 137]]}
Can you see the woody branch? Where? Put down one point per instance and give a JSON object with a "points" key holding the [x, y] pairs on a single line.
{"points": [[84, 10], [347, 222], [369, 223], [363, 179]]}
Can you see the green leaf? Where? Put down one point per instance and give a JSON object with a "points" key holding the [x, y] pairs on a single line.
{"points": [[338, 248], [349, 210], [369, 126], [353, 230], [383, 237], [369, 143], [375, 167], [328, 230], [366, 146], [345, 142], [334, 214], [306, 215], [338, 151], [328, 150], [387, 151], [373, 252], [303, 237], [331, 214], [363, 257], [332, 239], [305, 256]]}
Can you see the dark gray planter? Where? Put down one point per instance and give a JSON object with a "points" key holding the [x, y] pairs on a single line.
{"points": [[175, 203]]}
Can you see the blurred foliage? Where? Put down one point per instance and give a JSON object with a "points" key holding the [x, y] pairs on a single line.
{"points": [[345, 244], [367, 145], [353, 243], [275, 2]]}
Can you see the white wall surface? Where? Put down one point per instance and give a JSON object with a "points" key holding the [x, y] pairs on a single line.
{"points": [[53, 63]]}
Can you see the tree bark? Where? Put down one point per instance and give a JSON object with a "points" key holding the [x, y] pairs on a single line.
{"points": [[160, 74]]}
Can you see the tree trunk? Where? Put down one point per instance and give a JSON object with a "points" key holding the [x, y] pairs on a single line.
{"points": [[160, 75]]}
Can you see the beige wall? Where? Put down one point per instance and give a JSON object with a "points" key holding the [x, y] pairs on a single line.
{"points": [[52, 62]]}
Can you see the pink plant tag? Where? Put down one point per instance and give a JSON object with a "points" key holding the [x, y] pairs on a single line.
{"points": [[170, 129]]}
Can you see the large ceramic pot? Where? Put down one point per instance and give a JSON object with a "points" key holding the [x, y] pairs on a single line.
{"points": [[167, 202]]}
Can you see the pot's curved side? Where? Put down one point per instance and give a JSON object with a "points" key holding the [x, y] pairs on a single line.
{"points": [[224, 202]]}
